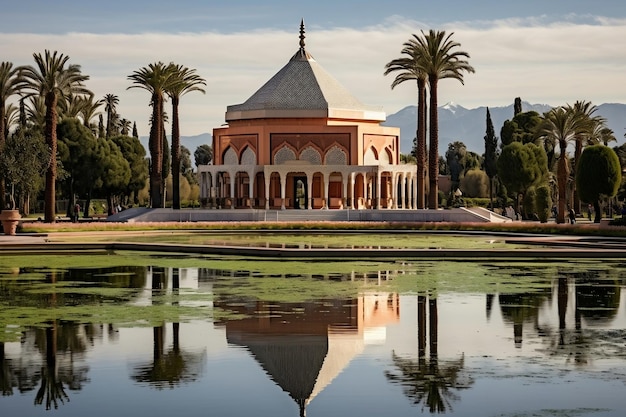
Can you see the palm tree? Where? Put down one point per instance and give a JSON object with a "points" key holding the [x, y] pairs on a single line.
{"points": [[155, 79], [439, 60], [125, 126], [88, 111], [53, 81], [604, 135], [110, 104], [9, 86], [410, 69], [562, 125], [584, 110], [184, 80], [11, 118], [36, 112]]}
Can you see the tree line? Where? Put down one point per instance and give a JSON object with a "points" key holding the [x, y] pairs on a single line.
{"points": [[531, 167], [53, 133]]}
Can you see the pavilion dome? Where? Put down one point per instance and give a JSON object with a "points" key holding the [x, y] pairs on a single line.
{"points": [[303, 89]]}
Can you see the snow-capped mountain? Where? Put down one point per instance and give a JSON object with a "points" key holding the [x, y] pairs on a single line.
{"points": [[456, 123]]}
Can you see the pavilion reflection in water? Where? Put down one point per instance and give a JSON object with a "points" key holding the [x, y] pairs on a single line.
{"points": [[304, 346]]}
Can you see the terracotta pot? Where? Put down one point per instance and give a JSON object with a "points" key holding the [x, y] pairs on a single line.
{"points": [[9, 220]]}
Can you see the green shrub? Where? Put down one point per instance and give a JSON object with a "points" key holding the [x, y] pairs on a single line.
{"points": [[529, 203], [476, 202], [543, 203]]}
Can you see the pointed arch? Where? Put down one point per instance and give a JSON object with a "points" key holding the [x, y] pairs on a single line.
{"points": [[336, 156], [230, 157], [248, 157], [385, 157], [311, 155], [284, 155], [370, 157]]}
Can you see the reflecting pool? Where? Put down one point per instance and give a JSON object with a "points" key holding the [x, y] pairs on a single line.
{"points": [[141, 334]]}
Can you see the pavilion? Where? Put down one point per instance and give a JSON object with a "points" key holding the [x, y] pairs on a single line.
{"points": [[302, 141]]}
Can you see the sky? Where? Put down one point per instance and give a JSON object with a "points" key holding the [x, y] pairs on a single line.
{"points": [[545, 51]]}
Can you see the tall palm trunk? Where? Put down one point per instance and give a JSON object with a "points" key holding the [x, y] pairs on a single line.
{"points": [[175, 155], [2, 141], [578, 149], [433, 154], [156, 152], [50, 132], [421, 143], [563, 174]]}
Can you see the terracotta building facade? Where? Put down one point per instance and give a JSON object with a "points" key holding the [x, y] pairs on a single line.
{"points": [[302, 141]]}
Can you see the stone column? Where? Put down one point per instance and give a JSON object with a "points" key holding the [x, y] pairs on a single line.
{"points": [[283, 185], [378, 193], [309, 190], [233, 178], [403, 189], [326, 202], [394, 189], [252, 178], [352, 190], [268, 179], [344, 195]]}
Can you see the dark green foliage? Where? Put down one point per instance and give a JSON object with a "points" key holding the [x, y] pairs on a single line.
{"points": [[522, 166], [521, 128], [76, 149], [186, 169], [543, 203], [455, 158], [598, 175], [134, 152], [203, 155], [621, 154], [114, 169], [475, 184], [529, 203], [24, 158], [517, 106], [491, 148], [491, 154]]}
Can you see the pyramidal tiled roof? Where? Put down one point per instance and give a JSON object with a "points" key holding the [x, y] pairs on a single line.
{"points": [[302, 88]]}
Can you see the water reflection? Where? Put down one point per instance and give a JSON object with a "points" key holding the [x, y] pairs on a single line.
{"points": [[429, 381], [303, 346], [432, 350]]}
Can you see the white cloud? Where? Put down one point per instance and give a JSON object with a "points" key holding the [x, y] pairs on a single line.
{"points": [[550, 63]]}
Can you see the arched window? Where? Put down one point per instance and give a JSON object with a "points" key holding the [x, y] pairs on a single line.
{"points": [[311, 155], [336, 156], [370, 157], [284, 155], [248, 157], [384, 157], [230, 157]]}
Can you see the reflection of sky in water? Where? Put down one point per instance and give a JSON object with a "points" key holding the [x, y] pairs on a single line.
{"points": [[541, 370]]}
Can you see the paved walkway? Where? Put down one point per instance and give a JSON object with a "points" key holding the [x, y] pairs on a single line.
{"points": [[23, 239]]}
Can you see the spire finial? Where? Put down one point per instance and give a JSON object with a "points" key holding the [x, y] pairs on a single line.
{"points": [[302, 34]]}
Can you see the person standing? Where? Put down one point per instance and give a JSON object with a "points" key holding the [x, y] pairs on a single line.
{"points": [[572, 216], [76, 212]]}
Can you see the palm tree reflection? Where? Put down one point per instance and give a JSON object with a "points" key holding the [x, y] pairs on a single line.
{"points": [[596, 301], [429, 381], [175, 366]]}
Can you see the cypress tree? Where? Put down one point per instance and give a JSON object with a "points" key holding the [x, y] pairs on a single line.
{"points": [[491, 155]]}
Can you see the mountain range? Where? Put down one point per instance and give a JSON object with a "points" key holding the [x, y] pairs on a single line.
{"points": [[456, 123], [189, 142]]}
